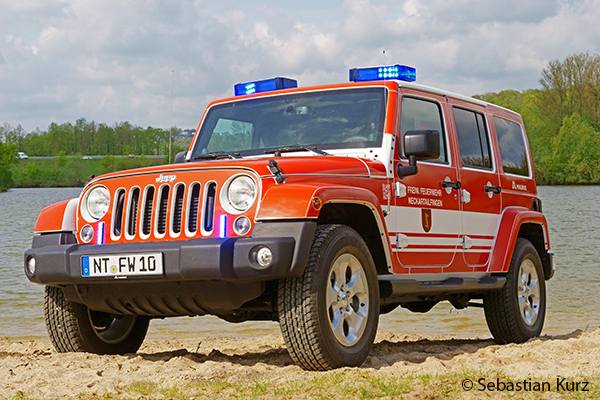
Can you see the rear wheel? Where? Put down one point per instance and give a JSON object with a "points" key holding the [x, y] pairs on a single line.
{"points": [[516, 312], [329, 315], [73, 327]]}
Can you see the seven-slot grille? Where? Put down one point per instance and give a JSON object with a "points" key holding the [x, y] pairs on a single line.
{"points": [[155, 210]]}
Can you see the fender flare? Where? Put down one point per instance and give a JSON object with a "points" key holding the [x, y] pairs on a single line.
{"points": [[510, 224], [59, 217], [295, 201]]}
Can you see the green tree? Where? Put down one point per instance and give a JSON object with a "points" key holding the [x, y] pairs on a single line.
{"points": [[8, 156], [30, 175], [571, 86], [575, 155]]}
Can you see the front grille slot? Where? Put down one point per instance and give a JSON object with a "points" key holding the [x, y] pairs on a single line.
{"points": [[163, 203], [153, 211], [133, 211], [209, 207], [194, 201], [118, 212], [147, 210], [177, 209]]}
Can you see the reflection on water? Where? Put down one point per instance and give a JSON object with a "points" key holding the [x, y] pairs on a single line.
{"points": [[573, 216]]}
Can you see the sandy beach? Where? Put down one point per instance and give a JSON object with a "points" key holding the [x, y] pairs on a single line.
{"points": [[33, 370]]}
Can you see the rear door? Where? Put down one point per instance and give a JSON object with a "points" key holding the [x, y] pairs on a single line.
{"points": [[480, 183]]}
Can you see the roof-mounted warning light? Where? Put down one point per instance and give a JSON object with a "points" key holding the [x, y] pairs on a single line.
{"points": [[266, 85], [400, 72]]}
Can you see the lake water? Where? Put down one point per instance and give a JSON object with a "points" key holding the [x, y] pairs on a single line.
{"points": [[573, 214]]}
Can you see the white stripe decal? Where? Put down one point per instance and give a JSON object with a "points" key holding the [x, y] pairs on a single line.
{"points": [[444, 222], [479, 224], [408, 220]]}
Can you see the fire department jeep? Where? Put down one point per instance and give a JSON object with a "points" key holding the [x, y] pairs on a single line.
{"points": [[319, 207]]}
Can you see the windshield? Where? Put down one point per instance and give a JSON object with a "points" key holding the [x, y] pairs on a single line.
{"points": [[331, 119]]}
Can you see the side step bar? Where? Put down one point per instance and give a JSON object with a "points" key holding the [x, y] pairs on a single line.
{"points": [[393, 288]]}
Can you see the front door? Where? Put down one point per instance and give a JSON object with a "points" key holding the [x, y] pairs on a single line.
{"points": [[427, 214]]}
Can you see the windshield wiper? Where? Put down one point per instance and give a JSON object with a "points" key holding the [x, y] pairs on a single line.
{"points": [[217, 154], [295, 147]]}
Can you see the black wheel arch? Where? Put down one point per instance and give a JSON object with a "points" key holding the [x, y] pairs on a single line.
{"points": [[535, 234]]}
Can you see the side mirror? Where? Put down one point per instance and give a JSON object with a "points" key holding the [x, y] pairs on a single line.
{"points": [[418, 146], [180, 157]]}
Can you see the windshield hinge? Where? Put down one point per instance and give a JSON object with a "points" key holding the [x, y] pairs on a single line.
{"points": [[276, 171]]}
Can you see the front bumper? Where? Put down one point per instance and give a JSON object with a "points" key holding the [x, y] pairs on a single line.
{"points": [[208, 259]]}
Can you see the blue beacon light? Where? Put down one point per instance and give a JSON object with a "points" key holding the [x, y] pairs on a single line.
{"points": [[100, 233], [399, 72], [222, 226], [266, 85]]}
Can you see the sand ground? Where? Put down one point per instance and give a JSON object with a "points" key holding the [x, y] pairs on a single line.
{"points": [[32, 369]]}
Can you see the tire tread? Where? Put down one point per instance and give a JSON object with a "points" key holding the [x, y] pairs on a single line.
{"points": [[503, 318], [70, 330], [61, 322], [298, 311]]}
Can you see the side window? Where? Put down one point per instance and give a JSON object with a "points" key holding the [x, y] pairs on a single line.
{"points": [[230, 135], [473, 142], [512, 147], [418, 114]]}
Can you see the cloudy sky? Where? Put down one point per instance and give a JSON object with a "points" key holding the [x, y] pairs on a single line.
{"points": [[115, 60]]}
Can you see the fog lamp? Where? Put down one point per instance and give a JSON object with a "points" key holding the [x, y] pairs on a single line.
{"points": [[31, 266], [264, 256]]}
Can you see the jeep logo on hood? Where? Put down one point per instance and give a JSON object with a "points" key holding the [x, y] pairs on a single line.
{"points": [[166, 178]]}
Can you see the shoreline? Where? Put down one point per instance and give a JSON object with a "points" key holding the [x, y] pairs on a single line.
{"points": [[222, 366]]}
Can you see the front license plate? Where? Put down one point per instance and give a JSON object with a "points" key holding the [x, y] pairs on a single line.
{"points": [[122, 265]]}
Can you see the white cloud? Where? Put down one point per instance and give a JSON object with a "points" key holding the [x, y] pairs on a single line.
{"points": [[112, 60]]}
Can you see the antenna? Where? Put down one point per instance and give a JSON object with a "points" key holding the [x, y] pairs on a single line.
{"points": [[384, 62], [171, 128]]}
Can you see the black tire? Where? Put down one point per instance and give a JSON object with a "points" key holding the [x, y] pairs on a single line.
{"points": [[339, 267], [72, 327], [516, 313]]}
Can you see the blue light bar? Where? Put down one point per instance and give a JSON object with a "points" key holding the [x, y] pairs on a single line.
{"points": [[400, 72], [266, 85]]}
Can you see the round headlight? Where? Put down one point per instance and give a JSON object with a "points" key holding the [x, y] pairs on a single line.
{"points": [[98, 201], [242, 192]]}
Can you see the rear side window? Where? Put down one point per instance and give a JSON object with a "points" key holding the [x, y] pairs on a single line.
{"points": [[473, 142], [417, 114], [512, 147]]}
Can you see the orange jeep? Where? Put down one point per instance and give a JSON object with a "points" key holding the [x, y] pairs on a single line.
{"points": [[318, 207]]}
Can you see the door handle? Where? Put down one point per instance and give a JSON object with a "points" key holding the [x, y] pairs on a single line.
{"points": [[450, 184], [492, 189]]}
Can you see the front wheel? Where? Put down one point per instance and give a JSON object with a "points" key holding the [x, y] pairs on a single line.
{"points": [[73, 327], [516, 313], [329, 315]]}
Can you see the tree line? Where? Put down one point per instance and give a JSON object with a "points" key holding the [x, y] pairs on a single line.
{"points": [[562, 120], [89, 138], [78, 139]]}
